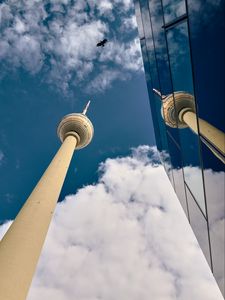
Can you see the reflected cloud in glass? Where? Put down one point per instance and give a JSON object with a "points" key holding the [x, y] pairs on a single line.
{"points": [[173, 9]]}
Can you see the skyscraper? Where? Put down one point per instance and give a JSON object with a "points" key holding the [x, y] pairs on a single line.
{"points": [[183, 52], [21, 245]]}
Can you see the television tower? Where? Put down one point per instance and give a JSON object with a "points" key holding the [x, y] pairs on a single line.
{"points": [[21, 246]]}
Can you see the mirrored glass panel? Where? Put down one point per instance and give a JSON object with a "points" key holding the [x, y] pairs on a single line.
{"points": [[138, 18], [207, 31], [148, 80], [161, 54], [164, 153], [173, 9], [214, 177], [178, 173], [179, 55], [153, 81], [159, 126], [149, 44], [199, 226]]}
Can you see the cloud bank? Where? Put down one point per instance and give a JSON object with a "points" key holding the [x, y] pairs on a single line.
{"points": [[119, 239], [58, 39]]}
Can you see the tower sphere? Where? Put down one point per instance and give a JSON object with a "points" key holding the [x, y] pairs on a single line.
{"points": [[172, 114], [78, 125]]}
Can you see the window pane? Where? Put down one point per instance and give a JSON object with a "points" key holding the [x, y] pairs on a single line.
{"points": [[214, 177], [208, 54], [178, 174], [161, 55], [199, 225], [152, 74], [138, 17], [149, 80], [173, 9], [179, 55]]}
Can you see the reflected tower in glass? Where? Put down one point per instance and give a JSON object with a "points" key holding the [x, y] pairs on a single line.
{"points": [[183, 49]]}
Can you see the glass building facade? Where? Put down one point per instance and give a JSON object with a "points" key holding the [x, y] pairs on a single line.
{"points": [[182, 44]]}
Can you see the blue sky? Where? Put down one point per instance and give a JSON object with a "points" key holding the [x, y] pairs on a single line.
{"points": [[39, 85], [50, 66]]}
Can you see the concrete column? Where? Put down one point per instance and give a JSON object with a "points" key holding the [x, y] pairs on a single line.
{"points": [[21, 246]]}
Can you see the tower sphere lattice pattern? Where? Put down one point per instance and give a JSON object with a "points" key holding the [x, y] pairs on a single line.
{"points": [[78, 125], [170, 112]]}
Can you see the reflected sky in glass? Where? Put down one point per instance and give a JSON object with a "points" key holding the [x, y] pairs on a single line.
{"points": [[199, 225], [161, 55], [173, 9], [208, 57], [180, 63], [171, 70]]}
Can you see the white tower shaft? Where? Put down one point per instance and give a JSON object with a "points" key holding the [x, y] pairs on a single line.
{"points": [[215, 136], [21, 246]]}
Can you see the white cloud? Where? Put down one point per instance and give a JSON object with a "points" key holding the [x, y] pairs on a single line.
{"points": [[129, 23], [119, 239], [104, 80], [60, 39]]}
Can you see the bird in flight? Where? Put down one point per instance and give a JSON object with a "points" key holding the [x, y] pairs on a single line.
{"points": [[102, 43]]}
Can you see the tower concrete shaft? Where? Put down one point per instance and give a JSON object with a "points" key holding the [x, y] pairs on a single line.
{"points": [[210, 133], [21, 246]]}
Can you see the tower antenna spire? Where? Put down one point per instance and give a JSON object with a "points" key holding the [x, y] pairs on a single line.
{"points": [[86, 108], [159, 94]]}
